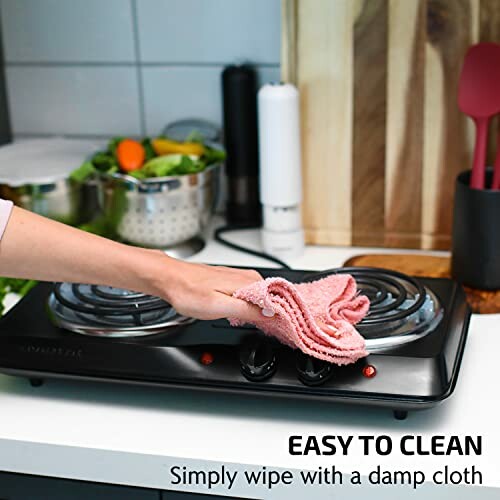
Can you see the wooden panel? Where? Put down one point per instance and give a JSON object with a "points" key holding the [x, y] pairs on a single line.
{"points": [[489, 21], [324, 76], [383, 139], [289, 41], [404, 123], [370, 90], [450, 31]]}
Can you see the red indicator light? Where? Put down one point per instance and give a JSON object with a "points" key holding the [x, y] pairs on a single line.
{"points": [[207, 358], [369, 371]]}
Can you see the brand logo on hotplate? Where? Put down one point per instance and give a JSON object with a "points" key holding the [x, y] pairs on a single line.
{"points": [[63, 352]]}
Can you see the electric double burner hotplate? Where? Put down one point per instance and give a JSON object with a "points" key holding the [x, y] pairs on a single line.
{"points": [[415, 332]]}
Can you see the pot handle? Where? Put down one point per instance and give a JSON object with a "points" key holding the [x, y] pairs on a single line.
{"points": [[127, 178]]}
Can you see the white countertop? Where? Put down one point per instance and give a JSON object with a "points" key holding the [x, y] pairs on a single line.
{"points": [[133, 435]]}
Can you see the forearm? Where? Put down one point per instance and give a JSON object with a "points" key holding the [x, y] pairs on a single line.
{"points": [[38, 248]]}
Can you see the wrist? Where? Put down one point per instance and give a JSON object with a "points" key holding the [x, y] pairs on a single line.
{"points": [[154, 272]]}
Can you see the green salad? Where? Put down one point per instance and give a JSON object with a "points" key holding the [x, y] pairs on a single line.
{"points": [[148, 158]]}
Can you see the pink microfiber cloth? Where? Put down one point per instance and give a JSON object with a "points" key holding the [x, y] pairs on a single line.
{"points": [[315, 317]]}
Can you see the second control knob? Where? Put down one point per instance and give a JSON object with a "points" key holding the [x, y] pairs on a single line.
{"points": [[257, 359], [312, 371]]}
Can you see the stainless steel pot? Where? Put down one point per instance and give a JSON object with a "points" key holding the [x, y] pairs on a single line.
{"points": [[64, 200], [170, 213], [36, 175]]}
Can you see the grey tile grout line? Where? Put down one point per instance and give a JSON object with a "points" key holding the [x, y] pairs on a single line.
{"points": [[140, 81], [48, 135], [125, 64]]}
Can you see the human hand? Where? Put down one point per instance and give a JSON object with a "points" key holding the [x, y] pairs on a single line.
{"points": [[205, 292]]}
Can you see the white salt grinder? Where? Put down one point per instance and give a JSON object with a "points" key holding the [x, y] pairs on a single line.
{"points": [[280, 177]]}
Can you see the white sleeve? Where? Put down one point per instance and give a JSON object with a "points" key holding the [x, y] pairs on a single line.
{"points": [[5, 211]]}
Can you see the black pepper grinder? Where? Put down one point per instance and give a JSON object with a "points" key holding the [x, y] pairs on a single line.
{"points": [[239, 91]]}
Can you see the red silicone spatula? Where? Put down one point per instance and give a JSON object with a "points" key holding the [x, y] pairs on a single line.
{"points": [[479, 98]]}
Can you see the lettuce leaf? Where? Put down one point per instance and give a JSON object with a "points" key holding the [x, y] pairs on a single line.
{"points": [[175, 164]]}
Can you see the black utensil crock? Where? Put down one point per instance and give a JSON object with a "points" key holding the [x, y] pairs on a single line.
{"points": [[476, 234]]}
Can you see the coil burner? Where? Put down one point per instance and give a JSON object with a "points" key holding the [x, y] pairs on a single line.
{"points": [[402, 309], [105, 311]]}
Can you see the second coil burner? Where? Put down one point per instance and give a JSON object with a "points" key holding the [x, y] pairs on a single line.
{"points": [[401, 310]]}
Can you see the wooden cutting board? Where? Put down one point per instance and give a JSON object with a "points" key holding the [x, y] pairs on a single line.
{"points": [[382, 136], [481, 301]]}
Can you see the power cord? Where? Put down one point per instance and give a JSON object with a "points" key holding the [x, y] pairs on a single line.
{"points": [[227, 229]]}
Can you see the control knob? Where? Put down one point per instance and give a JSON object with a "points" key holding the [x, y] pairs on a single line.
{"points": [[257, 359], [312, 371]]}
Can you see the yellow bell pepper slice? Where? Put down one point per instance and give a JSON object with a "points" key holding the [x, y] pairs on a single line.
{"points": [[167, 147]]}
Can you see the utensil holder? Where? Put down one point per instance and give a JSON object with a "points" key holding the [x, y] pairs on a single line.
{"points": [[476, 234]]}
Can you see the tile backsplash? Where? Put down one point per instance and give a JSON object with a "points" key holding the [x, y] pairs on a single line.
{"points": [[99, 68], [73, 100]]}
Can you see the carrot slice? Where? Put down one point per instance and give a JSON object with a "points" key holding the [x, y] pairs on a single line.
{"points": [[130, 155]]}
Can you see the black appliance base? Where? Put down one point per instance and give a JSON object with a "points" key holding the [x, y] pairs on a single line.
{"points": [[411, 376]]}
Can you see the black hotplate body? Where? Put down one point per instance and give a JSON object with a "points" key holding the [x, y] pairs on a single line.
{"points": [[206, 355]]}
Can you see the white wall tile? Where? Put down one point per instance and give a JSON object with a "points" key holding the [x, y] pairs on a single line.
{"points": [[209, 31], [67, 30], [173, 93], [73, 100]]}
